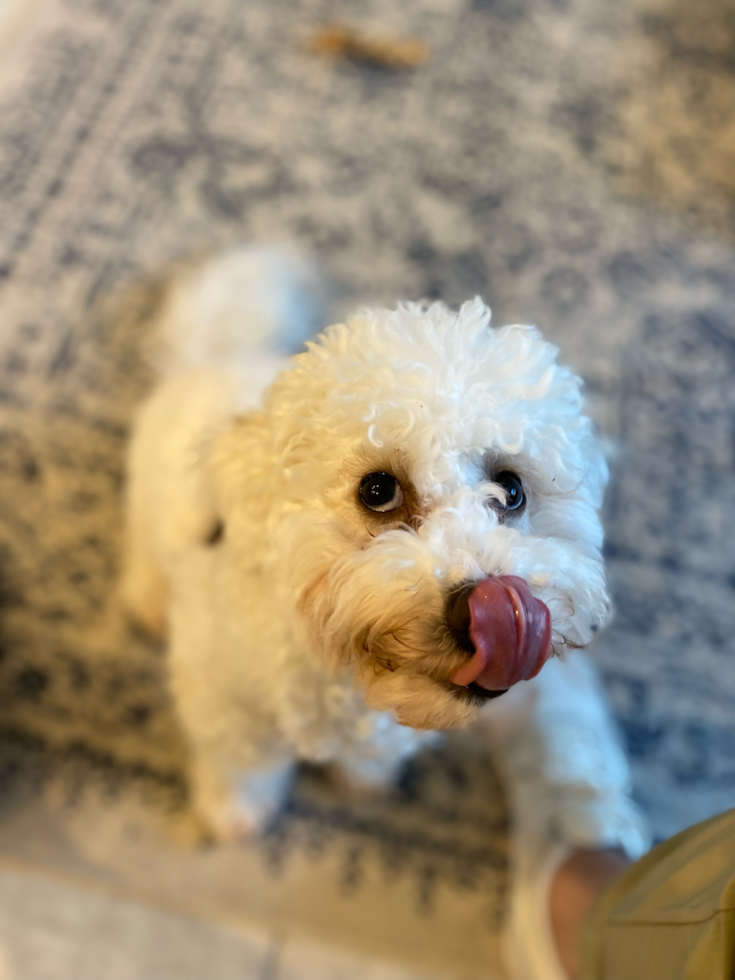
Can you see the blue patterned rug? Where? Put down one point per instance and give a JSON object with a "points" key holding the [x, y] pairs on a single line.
{"points": [[570, 161]]}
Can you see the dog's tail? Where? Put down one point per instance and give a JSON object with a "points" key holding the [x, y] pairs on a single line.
{"points": [[251, 300]]}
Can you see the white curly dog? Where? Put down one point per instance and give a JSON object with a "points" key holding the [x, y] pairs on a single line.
{"points": [[360, 545]]}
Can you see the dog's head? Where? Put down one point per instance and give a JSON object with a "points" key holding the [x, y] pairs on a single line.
{"points": [[414, 465]]}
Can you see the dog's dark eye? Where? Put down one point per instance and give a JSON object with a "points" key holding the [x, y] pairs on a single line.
{"points": [[515, 496], [381, 492]]}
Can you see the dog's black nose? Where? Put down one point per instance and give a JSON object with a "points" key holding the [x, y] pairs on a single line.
{"points": [[458, 617]]}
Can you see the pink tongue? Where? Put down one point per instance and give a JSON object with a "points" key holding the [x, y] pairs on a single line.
{"points": [[511, 631]]}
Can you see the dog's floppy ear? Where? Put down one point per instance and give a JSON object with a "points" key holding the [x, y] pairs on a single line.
{"points": [[242, 469]]}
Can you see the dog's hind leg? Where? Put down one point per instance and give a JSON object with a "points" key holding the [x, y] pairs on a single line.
{"points": [[145, 588], [171, 502]]}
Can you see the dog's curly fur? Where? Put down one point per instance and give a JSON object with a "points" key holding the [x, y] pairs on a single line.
{"points": [[303, 625]]}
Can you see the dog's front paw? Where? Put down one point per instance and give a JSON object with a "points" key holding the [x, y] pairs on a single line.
{"points": [[364, 779], [228, 822], [240, 808]]}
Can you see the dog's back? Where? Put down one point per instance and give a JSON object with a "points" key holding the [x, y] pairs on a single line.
{"points": [[224, 331]]}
